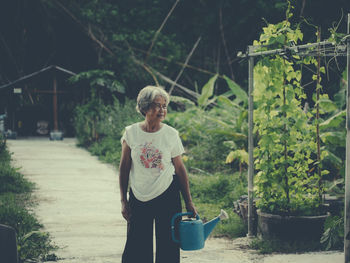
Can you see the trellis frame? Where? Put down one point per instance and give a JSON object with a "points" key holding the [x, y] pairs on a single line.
{"points": [[302, 50]]}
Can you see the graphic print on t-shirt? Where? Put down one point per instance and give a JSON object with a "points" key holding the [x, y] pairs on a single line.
{"points": [[150, 156]]}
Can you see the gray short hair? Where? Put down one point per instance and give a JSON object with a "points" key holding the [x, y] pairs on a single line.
{"points": [[147, 95]]}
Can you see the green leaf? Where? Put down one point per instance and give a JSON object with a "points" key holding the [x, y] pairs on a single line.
{"points": [[207, 92], [241, 95], [334, 121], [227, 103], [117, 86], [290, 95], [230, 144], [333, 138], [241, 155], [327, 105]]}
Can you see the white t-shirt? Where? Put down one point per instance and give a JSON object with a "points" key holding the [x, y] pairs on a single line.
{"points": [[151, 168]]}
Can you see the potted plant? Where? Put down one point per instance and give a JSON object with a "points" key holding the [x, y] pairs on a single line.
{"points": [[288, 186]]}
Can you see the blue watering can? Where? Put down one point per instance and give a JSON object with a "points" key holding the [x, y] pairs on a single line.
{"points": [[193, 232]]}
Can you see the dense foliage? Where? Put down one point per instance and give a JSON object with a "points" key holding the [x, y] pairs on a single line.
{"points": [[140, 42], [223, 118], [100, 127], [133, 37]]}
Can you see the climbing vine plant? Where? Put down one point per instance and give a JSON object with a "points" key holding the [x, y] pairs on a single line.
{"points": [[286, 154]]}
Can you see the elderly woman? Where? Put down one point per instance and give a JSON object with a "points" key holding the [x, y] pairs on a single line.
{"points": [[152, 166]]}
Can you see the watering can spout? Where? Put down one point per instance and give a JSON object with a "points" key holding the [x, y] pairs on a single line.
{"points": [[209, 226]]}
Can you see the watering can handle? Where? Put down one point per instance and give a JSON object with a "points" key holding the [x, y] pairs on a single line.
{"points": [[173, 223]]}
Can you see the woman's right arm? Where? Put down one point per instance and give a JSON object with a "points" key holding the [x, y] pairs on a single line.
{"points": [[124, 171]]}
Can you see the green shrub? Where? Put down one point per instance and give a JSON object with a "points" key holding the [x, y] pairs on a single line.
{"points": [[209, 155], [33, 244], [232, 227], [107, 149], [5, 156], [14, 214], [205, 147], [85, 121], [36, 245], [213, 128], [218, 189], [210, 135], [99, 127], [12, 181]]}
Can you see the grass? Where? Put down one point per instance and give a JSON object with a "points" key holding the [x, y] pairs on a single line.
{"points": [[270, 246], [211, 194]]}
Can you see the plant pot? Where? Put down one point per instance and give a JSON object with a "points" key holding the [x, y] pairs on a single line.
{"points": [[56, 136], [10, 135], [290, 228]]}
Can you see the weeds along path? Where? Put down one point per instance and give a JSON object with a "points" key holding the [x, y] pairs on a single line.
{"points": [[78, 204]]}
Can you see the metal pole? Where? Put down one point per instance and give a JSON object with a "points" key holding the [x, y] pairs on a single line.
{"points": [[347, 165], [250, 145], [279, 51]]}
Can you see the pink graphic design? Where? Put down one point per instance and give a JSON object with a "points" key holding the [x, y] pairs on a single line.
{"points": [[151, 157]]}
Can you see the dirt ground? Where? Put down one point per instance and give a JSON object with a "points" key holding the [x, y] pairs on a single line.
{"points": [[78, 204]]}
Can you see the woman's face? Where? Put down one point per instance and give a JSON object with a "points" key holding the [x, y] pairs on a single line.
{"points": [[158, 109]]}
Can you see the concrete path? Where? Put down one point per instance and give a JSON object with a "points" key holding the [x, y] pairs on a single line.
{"points": [[78, 199], [78, 204]]}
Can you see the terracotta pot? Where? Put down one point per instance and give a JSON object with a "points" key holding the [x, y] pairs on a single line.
{"points": [[290, 228]]}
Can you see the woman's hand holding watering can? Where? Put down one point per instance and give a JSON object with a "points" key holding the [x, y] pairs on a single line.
{"points": [[193, 232], [191, 208]]}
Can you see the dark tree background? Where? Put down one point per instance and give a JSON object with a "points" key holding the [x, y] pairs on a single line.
{"points": [[118, 36]]}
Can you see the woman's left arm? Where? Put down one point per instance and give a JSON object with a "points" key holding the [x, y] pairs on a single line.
{"points": [[181, 173]]}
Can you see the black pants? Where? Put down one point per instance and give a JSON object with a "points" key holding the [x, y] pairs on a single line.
{"points": [[139, 243]]}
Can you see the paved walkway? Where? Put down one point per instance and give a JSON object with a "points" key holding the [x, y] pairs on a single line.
{"points": [[78, 204]]}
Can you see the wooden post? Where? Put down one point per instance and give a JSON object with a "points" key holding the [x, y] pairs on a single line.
{"points": [[11, 113], [347, 165], [250, 144], [54, 103]]}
